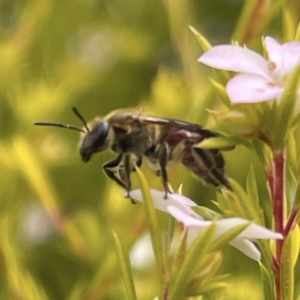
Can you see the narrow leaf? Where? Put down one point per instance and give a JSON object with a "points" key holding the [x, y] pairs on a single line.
{"points": [[194, 255], [154, 228], [222, 143], [209, 287], [288, 23], [297, 35], [287, 266], [203, 42], [248, 208], [221, 90], [125, 269], [242, 26], [31, 169], [252, 188], [267, 280]]}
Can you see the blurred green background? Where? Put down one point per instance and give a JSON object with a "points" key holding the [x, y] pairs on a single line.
{"points": [[57, 214]]}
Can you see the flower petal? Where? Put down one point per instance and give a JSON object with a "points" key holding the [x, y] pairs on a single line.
{"points": [[141, 253], [182, 205], [188, 219], [291, 56], [274, 50], [243, 245], [253, 231], [248, 88], [237, 59], [284, 57], [247, 247]]}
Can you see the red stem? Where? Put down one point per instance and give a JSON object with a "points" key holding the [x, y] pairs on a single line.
{"points": [[278, 199], [277, 187]]}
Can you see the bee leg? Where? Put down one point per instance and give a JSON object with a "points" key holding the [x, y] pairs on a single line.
{"points": [[216, 174], [163, 160], [110, 165], [207, 165], [122, 173], [139, 162], [127, 170]]}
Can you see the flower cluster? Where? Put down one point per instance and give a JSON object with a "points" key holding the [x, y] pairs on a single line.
{"points": [[260, 79]]}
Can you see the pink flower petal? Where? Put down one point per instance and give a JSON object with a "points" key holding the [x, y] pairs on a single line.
{"points": [[237, 59], [274, 50], [284, 57], [248, 88], [291, 56]]}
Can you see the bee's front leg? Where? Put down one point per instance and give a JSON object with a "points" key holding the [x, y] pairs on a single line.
{"points": [[163, 158], [113, 164], [123, 182], [127, 170]]}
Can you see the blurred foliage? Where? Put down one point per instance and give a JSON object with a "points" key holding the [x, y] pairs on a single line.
{"points": [[57, 215]]}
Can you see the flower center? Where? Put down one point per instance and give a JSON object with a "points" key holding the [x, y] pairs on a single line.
{"points": [[272, 65], [276, 74]]}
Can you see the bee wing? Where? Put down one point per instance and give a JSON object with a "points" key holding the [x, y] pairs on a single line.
{"points": [[179, 124]]}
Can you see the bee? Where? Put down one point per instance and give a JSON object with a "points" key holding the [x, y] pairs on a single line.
{"points": [[135, 136]]}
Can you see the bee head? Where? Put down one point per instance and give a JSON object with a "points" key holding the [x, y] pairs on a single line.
{"points": [[95, 140]]}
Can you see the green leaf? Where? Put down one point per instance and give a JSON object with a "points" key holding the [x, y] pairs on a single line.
{"points": [[288, 23], [229, 205], [190, 264], [286, 109], [125, 269], [297, 35], [292, 154], [210, 265], [152, 217], [203, 42], [289, 256], [205, 46], [24, 154], [268, 282], [221, 91], [296, 244], [244, 19], [296, 203], [207, 213], [208, 287], [78, 290], [222, 143], [246, 203], [252, 188]]}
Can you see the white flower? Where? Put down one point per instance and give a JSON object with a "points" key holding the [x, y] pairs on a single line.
{"points": [[180, 208], [260, 79]]}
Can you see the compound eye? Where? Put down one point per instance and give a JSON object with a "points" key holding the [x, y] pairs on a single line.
{"points": [[98, 136], [95, 141]]}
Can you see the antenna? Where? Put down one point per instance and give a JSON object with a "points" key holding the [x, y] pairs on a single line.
{"points": [[76, 112], [56, 124], [69, 126]]}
